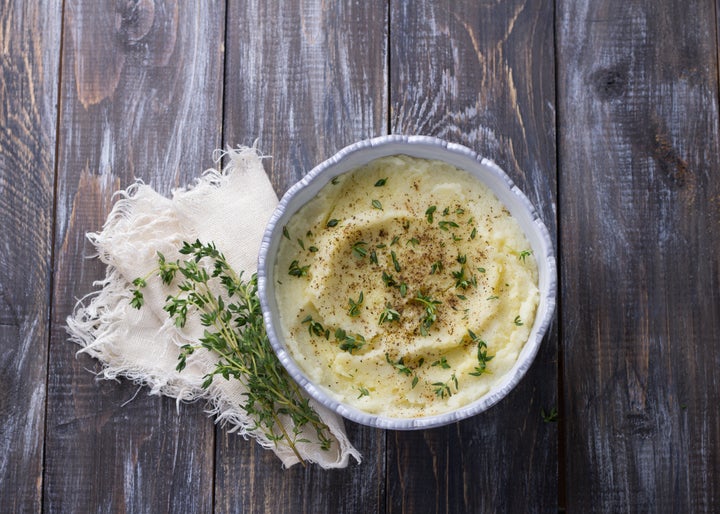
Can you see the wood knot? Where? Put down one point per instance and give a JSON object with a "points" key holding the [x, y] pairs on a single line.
{"points": [[639, 424], [609, 83], [134, 19], [669, 161]]}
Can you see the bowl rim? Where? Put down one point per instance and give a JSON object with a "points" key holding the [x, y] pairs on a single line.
{"points": [[436, 148]]}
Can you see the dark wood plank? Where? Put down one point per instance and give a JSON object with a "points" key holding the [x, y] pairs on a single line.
{"points": [[29, 59], [140, 97], [640, 232], [305, 79], [482, 74]]}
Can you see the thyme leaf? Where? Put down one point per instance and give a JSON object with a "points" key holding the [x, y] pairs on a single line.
{"points": [[348, 342], [354, 309], [315, 327], [436, 267], [399, 365], [388, 315], [395, 262], [388, 280], [442, 362], [446, 225], [296, 270], [429, 213], [358, 249]]}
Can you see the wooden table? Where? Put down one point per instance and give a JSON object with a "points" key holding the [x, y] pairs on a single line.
{"points": [[605, 112]]}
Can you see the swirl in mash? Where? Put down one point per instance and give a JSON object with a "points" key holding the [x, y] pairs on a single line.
{"points": [[405, 288]]}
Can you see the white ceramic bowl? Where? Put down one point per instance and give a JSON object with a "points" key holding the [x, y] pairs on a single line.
{"points": [[461, 157]]}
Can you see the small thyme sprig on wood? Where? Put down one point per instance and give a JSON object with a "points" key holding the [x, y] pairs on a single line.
{"points": [[229, 309], [550, 416]]}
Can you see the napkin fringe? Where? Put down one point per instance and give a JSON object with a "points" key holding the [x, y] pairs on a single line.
{"points": [[104, 323]]}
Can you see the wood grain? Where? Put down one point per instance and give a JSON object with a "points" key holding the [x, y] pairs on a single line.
{"points": [[29, 58], [304, 79], [639, 186], [140, 97], [482, 74], [96, 93]]}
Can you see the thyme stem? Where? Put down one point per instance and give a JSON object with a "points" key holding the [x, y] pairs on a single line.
{"points": [[235, 332]]}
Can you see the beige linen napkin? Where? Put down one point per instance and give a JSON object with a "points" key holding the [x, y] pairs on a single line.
{"points": [[229, 208]]}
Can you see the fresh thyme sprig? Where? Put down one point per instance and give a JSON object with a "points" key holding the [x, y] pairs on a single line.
{"points": [[389, 280], [399, 365], [429, 311], [229, 309], [442, 389], [348, 342], [388, 315], [462, 281], [524, 254], [442, 362], [482, 356], [550, 416], [296, 270], [315, 327], [436, 267], [403, 369]]}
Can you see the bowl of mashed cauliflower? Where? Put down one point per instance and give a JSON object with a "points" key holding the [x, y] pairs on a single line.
{"points": [[406, 283]]}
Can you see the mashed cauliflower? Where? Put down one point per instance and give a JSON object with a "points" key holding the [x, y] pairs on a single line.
{"points": [[405, 288]]}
